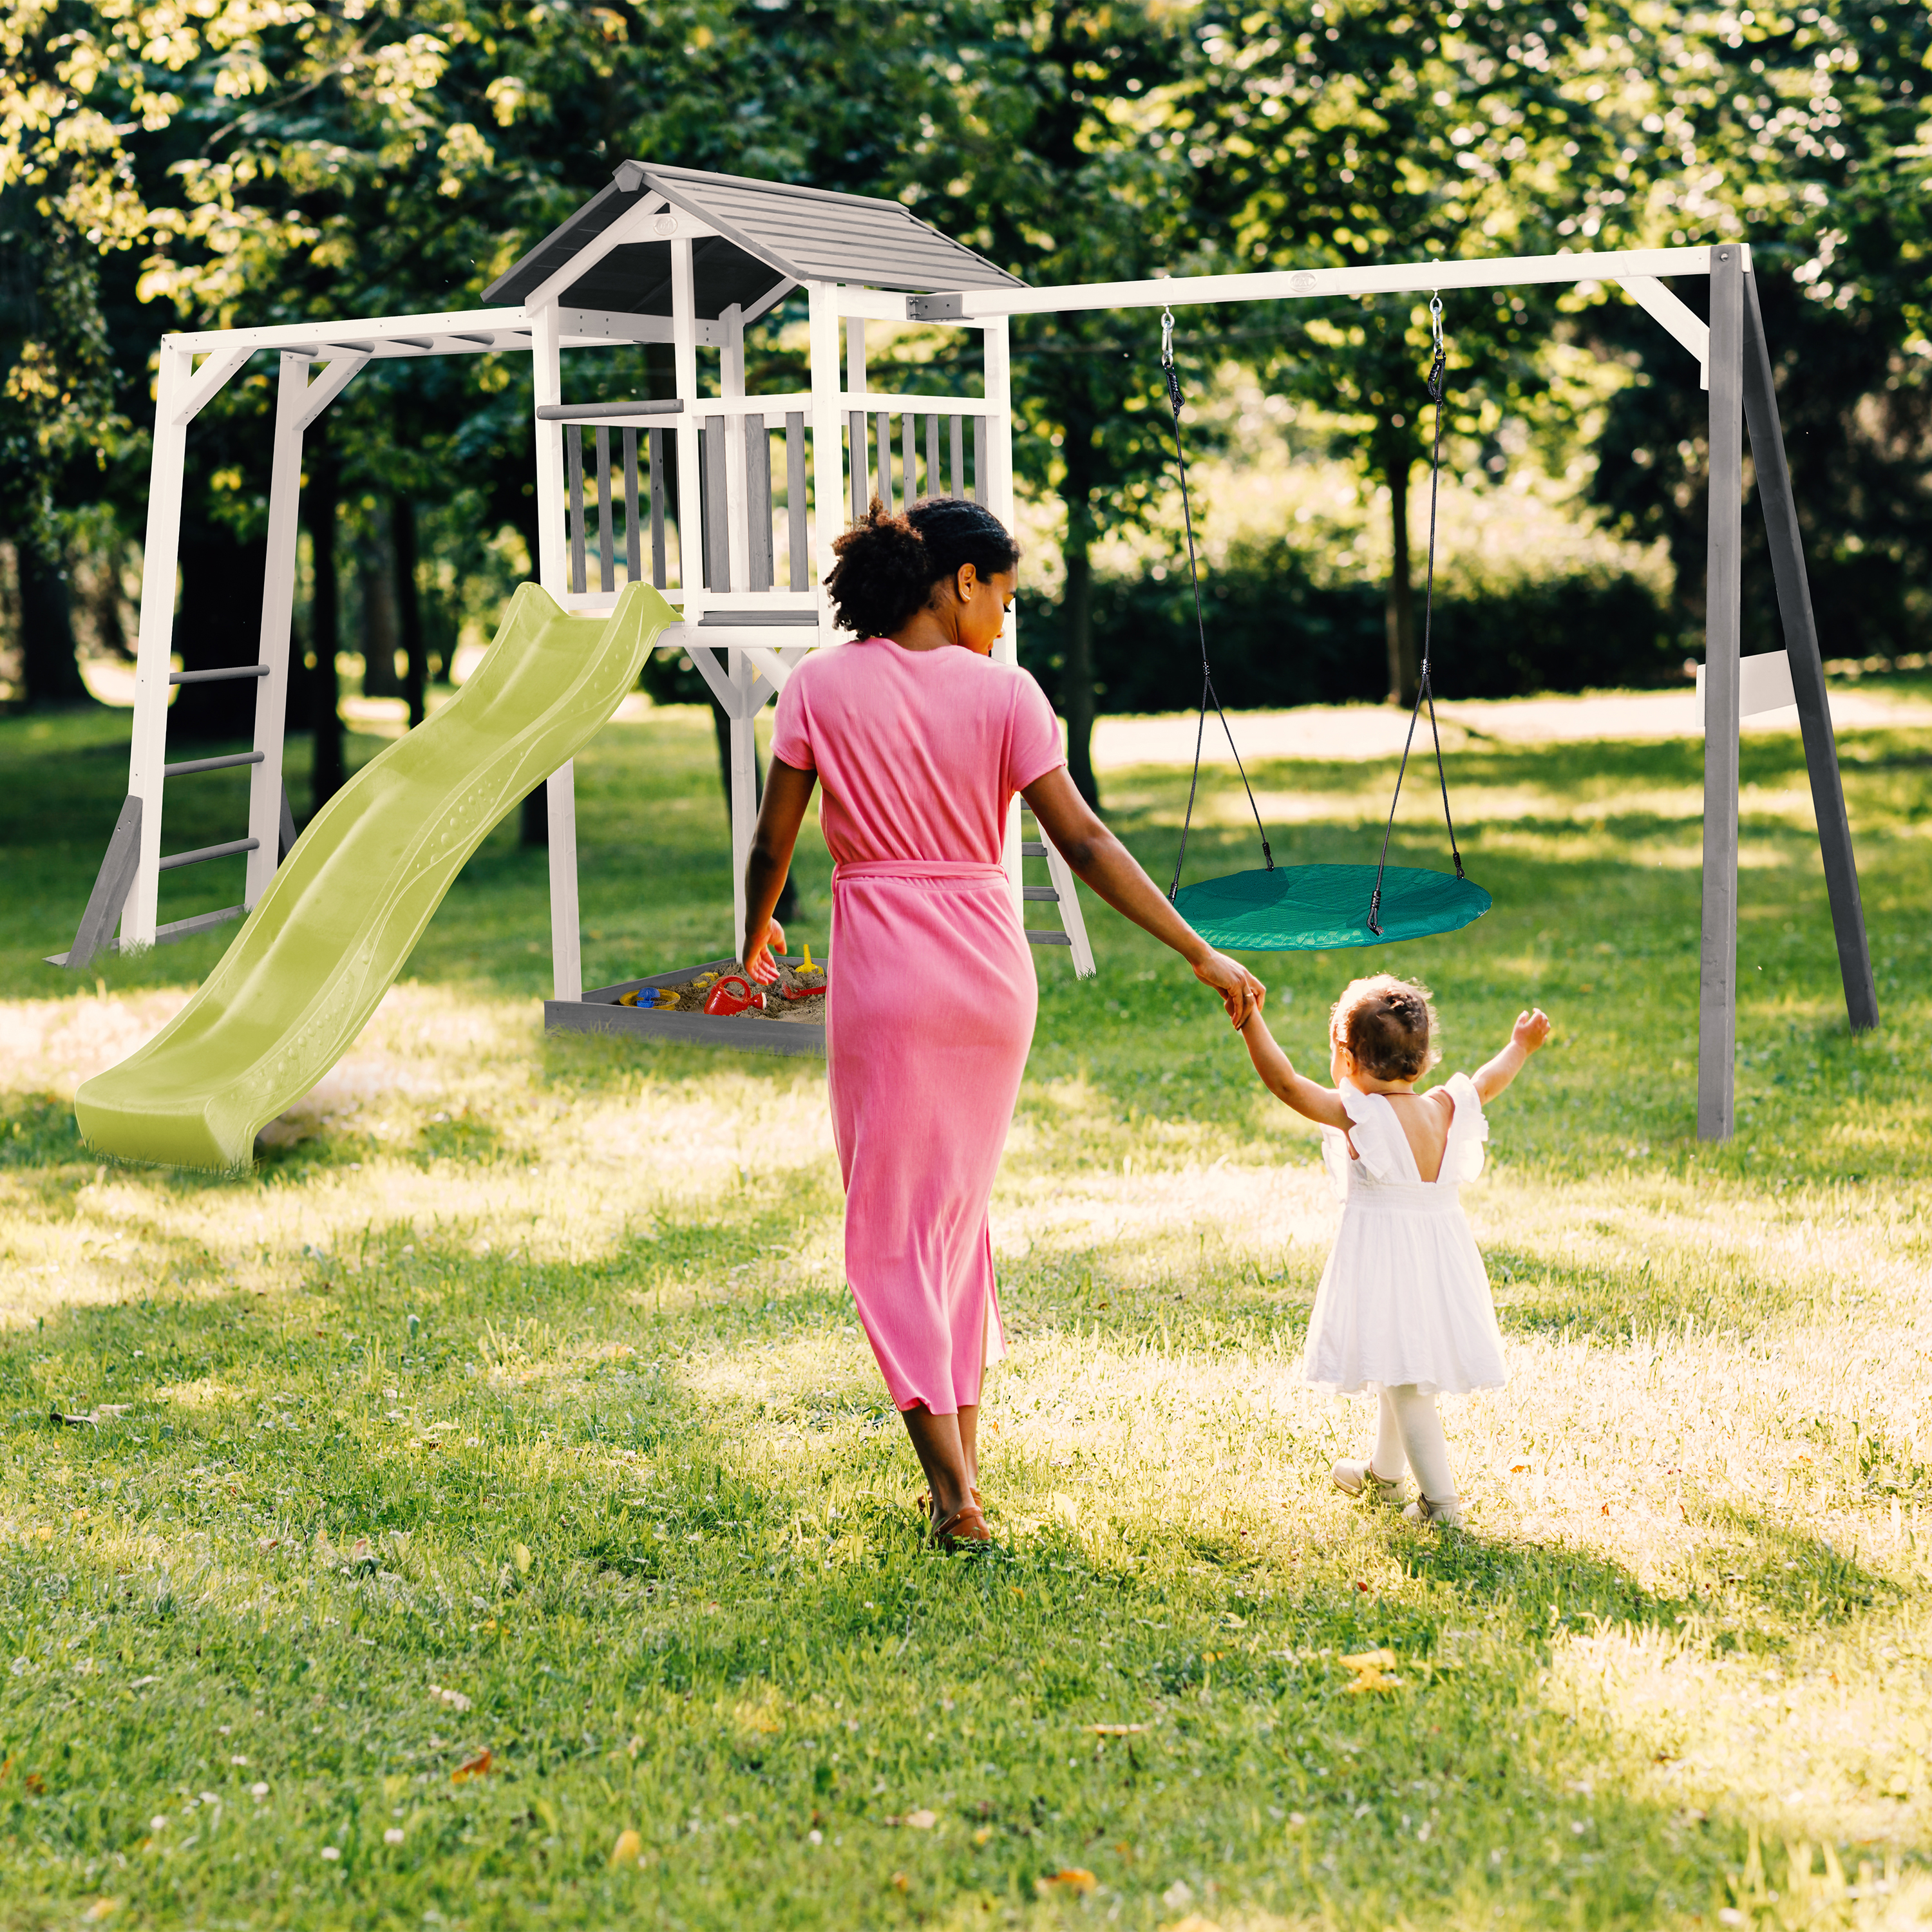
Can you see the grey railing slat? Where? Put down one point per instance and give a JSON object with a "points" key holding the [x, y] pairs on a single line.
{"points": [[959, 483], [195, 858], [758, 503], [215, 677], [188, 765], [606, 562], [660, 570], [979, 459], [633, 537], [909, 455], [857, 465], [573, 466], [801, 564], [717, 522], [886, 460], [935, 483]]}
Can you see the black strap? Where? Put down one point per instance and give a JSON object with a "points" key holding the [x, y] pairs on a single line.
{"points": [[1208, 694], [1438, 374]]}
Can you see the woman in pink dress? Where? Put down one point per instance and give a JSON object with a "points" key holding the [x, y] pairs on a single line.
{"points": [[921, 740]]}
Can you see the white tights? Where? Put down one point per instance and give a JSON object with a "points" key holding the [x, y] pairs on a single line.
{"points": [[1409, 1434]]}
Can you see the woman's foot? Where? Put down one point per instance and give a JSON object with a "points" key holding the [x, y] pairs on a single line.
{"points": [[1449, 1510], [1352, 1479], [965, 1525]]}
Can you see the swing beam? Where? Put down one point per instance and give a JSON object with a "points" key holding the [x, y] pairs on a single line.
{"points": [[1735, 366]]}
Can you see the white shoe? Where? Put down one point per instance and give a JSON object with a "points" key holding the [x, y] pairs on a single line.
{"points": [[1353, 1478], [1448, 1510]]}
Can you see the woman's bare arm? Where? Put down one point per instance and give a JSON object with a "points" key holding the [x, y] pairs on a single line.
{"points": [[787, 793], [1531, 1030], [1322, 1105], [1098, 858]]}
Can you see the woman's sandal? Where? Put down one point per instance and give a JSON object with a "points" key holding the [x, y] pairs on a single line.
{"points": [[965, 1525]]}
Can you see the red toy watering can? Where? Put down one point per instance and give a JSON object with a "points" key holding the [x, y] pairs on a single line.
{"points": [[734, 994]]}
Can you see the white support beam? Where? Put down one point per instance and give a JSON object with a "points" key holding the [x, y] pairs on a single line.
{"points": [[383, 331], [337, 373], [210, 379], [750, 689], [996, 492], [690, 497], [651, 221], [147, 748], [1303, 284], [828, 471], [1677, 317], [737, 495], [278, 597]]}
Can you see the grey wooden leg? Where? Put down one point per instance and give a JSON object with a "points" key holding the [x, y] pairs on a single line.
{"points": [[1717, 976], [111, 888], [1808, 668], [285, 837]]}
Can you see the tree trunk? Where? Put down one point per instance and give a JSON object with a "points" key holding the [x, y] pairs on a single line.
{"points": [[324, 629], [1401, 606], [1076, 677], [375, 573], [408, 608], [50, 672]]}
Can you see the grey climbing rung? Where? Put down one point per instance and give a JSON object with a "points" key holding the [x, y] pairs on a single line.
{"points": [[187, 765], [1039, 893], [215, 677], [1032, 848], [1037, 938], [195, 858]]}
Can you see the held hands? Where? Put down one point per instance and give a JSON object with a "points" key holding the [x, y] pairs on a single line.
{"points": [[758, 944], [1241, 993], [1531, 1030]]}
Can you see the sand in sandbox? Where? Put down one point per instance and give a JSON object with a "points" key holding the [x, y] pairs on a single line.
{"points": [[777, 1008]]}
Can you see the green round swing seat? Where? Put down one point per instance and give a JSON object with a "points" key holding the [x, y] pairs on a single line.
{"points": [[1320, 908]]}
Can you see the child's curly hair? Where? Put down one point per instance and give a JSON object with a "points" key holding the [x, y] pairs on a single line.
{"points": [[887, 564], [1388, 1024]]}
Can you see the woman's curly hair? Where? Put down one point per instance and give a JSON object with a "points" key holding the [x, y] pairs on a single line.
{"points": [[887, 564], [1388, 1024]]}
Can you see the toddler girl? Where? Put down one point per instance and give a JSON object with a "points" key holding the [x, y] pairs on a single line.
{"points": [[1404, 1302]]}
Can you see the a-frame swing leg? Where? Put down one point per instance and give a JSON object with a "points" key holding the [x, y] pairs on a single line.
{"points": [[1808, 667], [1718, 967]]}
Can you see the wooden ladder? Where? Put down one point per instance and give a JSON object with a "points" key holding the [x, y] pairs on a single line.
{"points": [[1060, 892]]}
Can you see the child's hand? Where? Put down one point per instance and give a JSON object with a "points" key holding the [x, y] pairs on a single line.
{"points": [[1531, 1030]]}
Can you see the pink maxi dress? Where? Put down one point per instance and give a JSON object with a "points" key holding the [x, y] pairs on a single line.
{"points": [[932, 998]]}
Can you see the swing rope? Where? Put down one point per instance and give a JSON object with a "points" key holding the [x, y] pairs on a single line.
{"points": [[1438, 382], [1208, 693]]}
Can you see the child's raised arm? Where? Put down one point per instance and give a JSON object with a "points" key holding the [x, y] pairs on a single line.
{"points": [[1531, 1030], [1320, 1104]]}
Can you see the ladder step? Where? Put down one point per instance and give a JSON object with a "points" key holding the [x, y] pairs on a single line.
{"points": [[187, 765], [1032, 848], [1039, 893], [215, 677], [195, 858], [1036, 937]]}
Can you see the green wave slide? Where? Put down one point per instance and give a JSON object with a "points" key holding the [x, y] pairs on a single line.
{"points": [[342, 914]]}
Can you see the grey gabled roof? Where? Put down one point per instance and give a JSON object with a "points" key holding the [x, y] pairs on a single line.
{"points": [[769, 233]]}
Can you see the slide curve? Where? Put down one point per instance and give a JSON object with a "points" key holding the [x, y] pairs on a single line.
{"points": [[342, 914]]}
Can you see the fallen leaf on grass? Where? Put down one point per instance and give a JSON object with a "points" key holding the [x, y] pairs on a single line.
{"points": [[1117, 1730], [1073, 1878], [520, 1555], [101, 1908], [900, 1882], [629, 1846], [36, 1784], [478, 1766], [1370, 1667]]}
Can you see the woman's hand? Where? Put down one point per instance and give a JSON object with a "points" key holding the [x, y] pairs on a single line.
{"points": [[1241, 993], [758, 944]]}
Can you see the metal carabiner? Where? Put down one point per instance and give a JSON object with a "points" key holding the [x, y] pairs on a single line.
{"points": [[1167, 338], [1435, 318], [1439, 361]]}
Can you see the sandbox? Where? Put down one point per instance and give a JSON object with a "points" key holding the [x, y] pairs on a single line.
{"points": [[782, 1026]]}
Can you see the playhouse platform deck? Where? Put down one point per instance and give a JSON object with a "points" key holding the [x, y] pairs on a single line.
{"points": [[599, 1011]]}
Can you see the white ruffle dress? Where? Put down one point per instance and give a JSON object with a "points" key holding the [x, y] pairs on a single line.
{"points": [[1405, 1298]]}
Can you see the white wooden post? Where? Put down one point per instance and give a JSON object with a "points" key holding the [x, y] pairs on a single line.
{"points": [[997, 493], [553, 563], [737, 495], [148, 749], [744, 786], [278, 598], [690, 427], [828, 473]]}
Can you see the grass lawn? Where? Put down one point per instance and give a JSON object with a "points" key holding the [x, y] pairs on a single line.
{"points": [[494, 1517]]}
